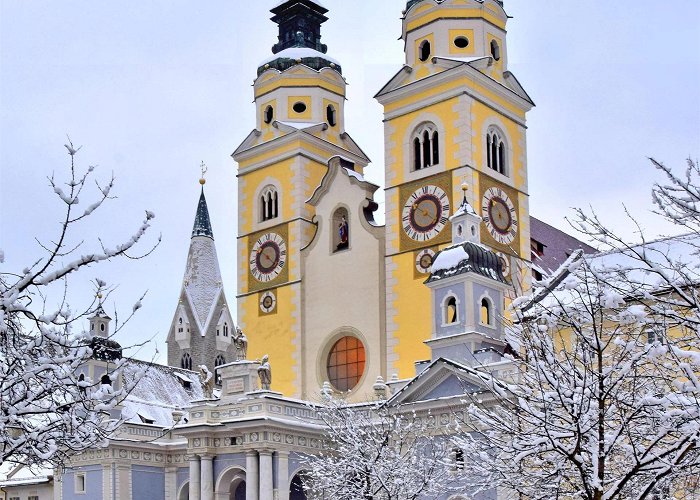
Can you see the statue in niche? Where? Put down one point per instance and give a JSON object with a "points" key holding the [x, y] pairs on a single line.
{"points": [[343, 234], [206, 378], [240, 342], [265, 373]]}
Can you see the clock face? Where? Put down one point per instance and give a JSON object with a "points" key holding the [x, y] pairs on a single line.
{"points": [[425, 213], [499, 215], [424, 260], [268, 302], [505, 263], [268, 257]]}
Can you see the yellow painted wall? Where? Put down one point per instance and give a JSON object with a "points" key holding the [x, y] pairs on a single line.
{"points": [[274, 335]]}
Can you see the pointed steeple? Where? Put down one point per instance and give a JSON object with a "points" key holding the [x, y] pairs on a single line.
{"points": [[202, 224]]}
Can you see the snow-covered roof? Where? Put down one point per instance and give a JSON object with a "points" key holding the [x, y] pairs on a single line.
{"points": [[465, 258], [280, 2], [298, 53], [159, 390], [300, 125], [202, 281], [676, 257], [25, 481], [464, 208]]}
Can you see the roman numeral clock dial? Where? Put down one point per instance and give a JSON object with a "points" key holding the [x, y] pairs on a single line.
{"points": [[268, 257], [425, 213], [499, 215]]}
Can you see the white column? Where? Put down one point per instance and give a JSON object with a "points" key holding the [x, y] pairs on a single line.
{"points": [[283, 475], [207, 467], [265, 475], [251, 476], [171, 482], [195, 478]]}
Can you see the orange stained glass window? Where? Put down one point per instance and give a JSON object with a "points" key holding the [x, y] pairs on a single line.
{"points": [[346, 363]]}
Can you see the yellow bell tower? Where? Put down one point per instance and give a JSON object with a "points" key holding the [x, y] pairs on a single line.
{"points": [[452, 114], [299, 98]]}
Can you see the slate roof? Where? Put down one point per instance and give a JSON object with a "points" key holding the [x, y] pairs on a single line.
{"points": [[202, 224], [558, 245], [470, 258]]}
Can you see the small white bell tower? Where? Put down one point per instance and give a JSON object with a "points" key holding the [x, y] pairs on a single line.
{"points": [[466, 223], [99, 322]]}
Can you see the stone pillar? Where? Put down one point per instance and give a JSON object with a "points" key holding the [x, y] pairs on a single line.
{"points": [[195, 478], [265, 474], [283, 475], [251, 476], [207, 467]]}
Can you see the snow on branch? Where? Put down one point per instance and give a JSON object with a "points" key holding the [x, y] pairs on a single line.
{"points": [[50, 408]]}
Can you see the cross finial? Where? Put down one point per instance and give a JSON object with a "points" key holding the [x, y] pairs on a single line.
{"points": [[204, 169]]}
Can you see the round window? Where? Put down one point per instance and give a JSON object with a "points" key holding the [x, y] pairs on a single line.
{"points": [[299, 107], [461, 42], [269, 114], [102, 327], [346, 363]]}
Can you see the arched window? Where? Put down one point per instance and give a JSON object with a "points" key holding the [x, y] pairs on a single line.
{"points": [[225, 329], [451, 316], [296, 489], [457, 459], [496, 157], [340, 230], [495, 50], [186, 361], [486, 312], [269, 114], [426, 146], [180, 328], [220, 360], [424, 50], [269, 204], [436, 148], [331, 115]]}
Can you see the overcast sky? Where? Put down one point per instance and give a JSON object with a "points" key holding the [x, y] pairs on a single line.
{"points": [[152, 88]]}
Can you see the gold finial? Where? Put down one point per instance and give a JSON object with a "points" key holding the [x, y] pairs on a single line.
{"points": [[99, 296], [202, 180], [465, 187]]}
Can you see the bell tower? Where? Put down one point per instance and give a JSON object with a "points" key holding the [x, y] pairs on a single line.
{"points": [[299, 96], [453, 114]]}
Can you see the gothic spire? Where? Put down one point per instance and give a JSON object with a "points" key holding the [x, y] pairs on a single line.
{"points": [[202, 224]]}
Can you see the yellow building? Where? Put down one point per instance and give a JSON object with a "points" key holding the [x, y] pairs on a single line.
{"points": [[326, 292]]}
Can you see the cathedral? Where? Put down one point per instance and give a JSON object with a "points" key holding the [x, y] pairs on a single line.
{"points": [[419, 309]]}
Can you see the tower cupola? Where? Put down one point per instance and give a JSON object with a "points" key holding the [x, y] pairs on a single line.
{"points": [[299, 39], [465, 222], [99, 322]]}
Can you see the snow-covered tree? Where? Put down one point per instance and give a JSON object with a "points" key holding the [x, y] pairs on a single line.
{"points": [[378, 451], [606, 404], [48, 410], [600, 408]]}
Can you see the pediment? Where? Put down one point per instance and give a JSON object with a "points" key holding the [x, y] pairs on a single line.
{"points": [[442, 379]]}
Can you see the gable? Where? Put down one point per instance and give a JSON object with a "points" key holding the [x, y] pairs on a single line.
{"points": [[451, 386], [441, 379]]}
